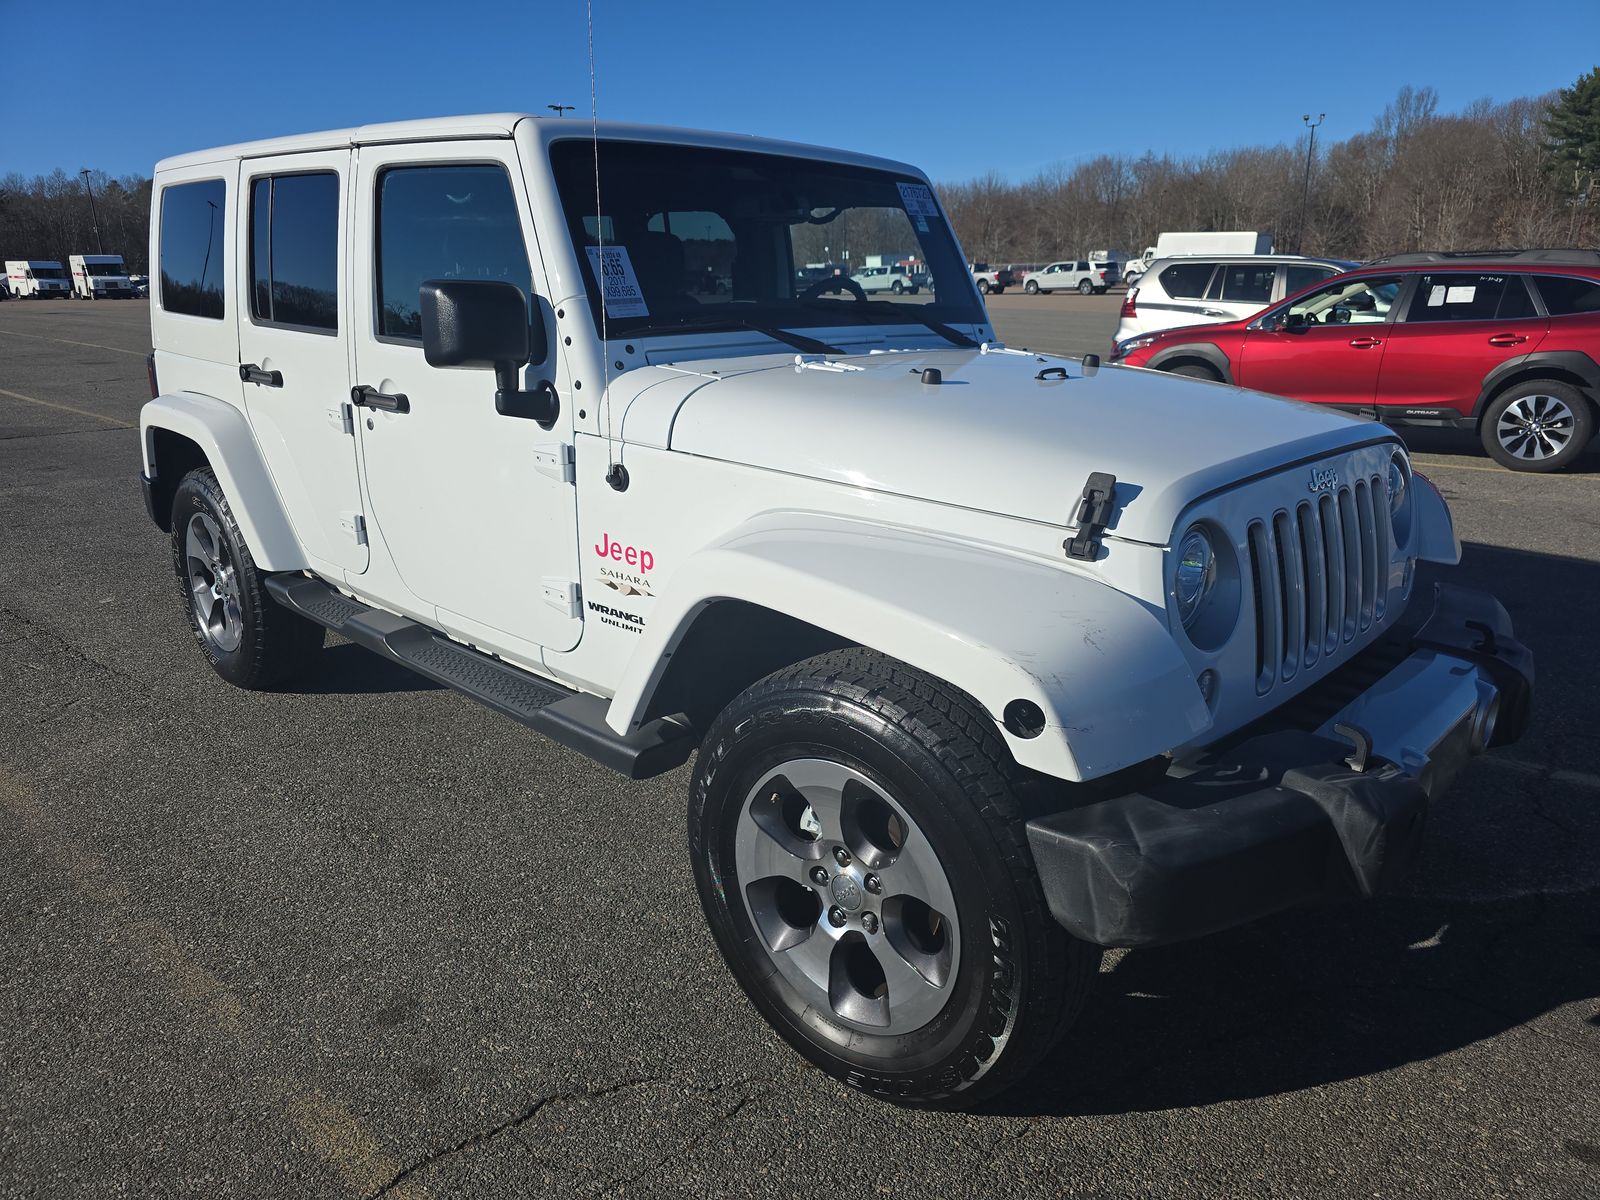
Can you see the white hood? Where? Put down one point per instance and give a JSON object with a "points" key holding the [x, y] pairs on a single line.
{"points": [[992, 436]]}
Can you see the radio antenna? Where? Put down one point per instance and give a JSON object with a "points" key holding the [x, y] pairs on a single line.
{"points": [[616, 473]]}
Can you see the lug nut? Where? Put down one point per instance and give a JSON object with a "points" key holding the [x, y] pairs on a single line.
{"points": [[841, 856], [836, 916], [869, 922], [873, 884], [819, 876]]}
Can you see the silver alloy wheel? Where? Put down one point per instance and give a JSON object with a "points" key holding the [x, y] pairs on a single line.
{"points": [[849, 899], [1535, 427], [213, 583]]}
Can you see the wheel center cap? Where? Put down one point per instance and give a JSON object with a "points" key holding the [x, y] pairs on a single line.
{"points": [[846, 893]]}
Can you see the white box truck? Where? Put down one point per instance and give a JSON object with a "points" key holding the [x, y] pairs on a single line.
{"points": [[95, 276], [35, 279], [1169, 245]]}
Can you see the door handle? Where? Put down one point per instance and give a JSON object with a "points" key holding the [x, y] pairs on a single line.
{"points": [[251, 373], [1507, 339], [363, 396], [1366, 343]]}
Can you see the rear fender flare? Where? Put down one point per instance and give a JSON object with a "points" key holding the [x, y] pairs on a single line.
{"points": [[1560, 364]]}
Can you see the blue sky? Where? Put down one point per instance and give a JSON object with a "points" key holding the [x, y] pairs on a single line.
{"points": [[957, 88]]}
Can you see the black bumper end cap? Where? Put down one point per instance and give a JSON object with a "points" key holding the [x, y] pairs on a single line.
{"points": [[1473, 625]]}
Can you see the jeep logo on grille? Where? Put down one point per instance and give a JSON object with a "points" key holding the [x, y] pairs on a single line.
{"points": [[1323, 479]]}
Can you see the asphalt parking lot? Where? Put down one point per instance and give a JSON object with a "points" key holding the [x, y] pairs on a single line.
{"points": [[367, 938]]}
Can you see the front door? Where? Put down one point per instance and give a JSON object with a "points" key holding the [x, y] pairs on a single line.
{"points": [[1328, 346], [294, 346], [473, 507]]}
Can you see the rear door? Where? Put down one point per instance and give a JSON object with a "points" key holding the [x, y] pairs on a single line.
{"points": [[294, 345], [1331, 351], [1178, 297], [1240, 290], [1458, 327]]}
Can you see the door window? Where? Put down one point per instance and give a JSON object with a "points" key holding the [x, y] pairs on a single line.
{"points": [[192, 235], [1186, 281], [1462, 297], [294, 250], [1083, 266], [1565, 297], [1296, 278], [1351, 302], [1247, 283], [444, 222]]}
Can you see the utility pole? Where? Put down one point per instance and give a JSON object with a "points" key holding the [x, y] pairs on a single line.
{"points": [[561, 109], [1305, 193], [94, 218]]}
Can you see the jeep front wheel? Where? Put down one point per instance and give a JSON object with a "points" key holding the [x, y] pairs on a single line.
{"points": [[860, 854], [248, 639], [1538, 426]]}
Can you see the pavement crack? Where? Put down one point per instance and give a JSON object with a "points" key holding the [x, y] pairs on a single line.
{"points": [[51, 635]]}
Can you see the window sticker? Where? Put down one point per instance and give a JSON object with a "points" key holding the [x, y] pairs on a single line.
{"points": [[618, 284], [1460, 295], [1436, 296], [918, 200]]}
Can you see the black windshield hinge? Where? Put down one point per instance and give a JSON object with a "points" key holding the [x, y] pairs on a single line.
{"points": [[1094, 514]]}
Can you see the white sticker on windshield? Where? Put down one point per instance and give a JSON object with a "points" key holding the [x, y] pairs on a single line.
{"points": [[1436, 296], [918, 200], [1460, 295], [618, 283]]}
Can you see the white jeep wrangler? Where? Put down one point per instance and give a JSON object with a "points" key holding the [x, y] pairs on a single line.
{"points": [[991, 659]]}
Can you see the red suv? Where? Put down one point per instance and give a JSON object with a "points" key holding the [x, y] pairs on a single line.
{"points": [[1505, 343]]}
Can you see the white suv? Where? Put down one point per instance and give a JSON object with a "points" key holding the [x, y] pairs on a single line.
{"points": [[886, 279], [1206, 289], [1080, 275], [964, 641]]}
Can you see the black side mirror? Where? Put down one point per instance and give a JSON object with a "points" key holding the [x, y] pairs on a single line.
{"points": [[1297, 320], [484, 323]]}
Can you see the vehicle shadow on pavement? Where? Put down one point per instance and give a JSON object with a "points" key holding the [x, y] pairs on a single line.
{"points": [[1462, 444], [1498, 929], [346, 669]]}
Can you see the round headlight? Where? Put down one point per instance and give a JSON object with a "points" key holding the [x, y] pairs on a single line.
{"points": [[1400, 499], [1195, 575]]}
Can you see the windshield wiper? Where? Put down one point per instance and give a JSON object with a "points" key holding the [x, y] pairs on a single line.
{"points": [[896, 314], [799, 341]]}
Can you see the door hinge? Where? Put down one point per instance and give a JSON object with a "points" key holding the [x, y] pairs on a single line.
{"points": [[555, 462], [1095, 510], [343, 418], [563, 595], [354, 524]]}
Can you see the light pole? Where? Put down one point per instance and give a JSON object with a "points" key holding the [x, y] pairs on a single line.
{"points": [[560, 109], [1305, 193], [94, 218]]}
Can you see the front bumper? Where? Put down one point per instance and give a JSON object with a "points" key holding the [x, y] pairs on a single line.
{"points": [[1283, 816]]}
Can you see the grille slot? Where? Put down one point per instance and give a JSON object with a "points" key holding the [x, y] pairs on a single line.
{"points": [[1318, 577]]}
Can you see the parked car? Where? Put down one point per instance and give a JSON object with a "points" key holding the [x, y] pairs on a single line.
{"points": [[963, 639], [991, 279], [1504, 344], [140, 285], [1210, 243], [886, 279], [1073, 275], [1193, 291]]}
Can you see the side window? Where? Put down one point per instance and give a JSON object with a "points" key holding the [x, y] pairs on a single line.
{"points": [[1565, 297], [1295, 278], [1248, 283], [1186, 281], [1515, 301], [193, 230], [443, 222], [1456, 298], [1365, 301], [294, 250], [1083, 266]]}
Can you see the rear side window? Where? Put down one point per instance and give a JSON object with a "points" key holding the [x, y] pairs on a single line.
{"points": [[1564, 297], [193, 231], [444, 222], [294, 250], [1460, 297], [1296, 278], [1247, 283], [1186, 281]]}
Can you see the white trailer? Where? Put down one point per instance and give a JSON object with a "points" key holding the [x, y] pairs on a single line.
{"points": [[95, 276], [1173, 245], [36, 279]]}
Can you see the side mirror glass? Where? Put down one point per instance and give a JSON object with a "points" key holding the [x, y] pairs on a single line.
{"points": [[484, 323], [1296, 320]]}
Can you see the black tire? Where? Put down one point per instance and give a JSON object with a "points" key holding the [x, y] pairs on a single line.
{"points": [[1085, 288], [1510, 450], [1019, 982], [1195, 371], [276, 644], [1031, 287], [983, 286], [898, 287]]}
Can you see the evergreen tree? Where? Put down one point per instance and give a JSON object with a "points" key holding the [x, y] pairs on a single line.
{"points": [[1572, 135]]}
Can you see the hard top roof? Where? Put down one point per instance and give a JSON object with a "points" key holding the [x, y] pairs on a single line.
{"points": [[502, 125]]}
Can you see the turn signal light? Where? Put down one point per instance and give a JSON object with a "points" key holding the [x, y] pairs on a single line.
{"points": [[1128, 309]]}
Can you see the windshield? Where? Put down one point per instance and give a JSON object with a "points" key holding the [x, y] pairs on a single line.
{"points": [[706, 238], [115, 268], [48, 273]]}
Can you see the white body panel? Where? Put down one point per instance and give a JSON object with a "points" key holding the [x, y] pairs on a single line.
{"points": [[96, 275], [30, 278]]}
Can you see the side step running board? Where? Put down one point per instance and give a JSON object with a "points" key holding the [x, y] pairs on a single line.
{"points": [[575, 719]]}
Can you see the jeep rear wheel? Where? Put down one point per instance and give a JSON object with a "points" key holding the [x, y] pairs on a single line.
{"points": [[248, 639], [1537, 426], [860, 854]]}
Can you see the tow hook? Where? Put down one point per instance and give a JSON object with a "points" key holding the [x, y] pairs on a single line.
{"points": [[1362, 741]]}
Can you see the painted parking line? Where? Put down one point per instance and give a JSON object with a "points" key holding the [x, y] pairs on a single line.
{"points": [[82, 412], [69, 342]]}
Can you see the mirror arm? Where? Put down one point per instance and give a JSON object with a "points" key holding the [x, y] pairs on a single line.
{"points": [[540, 403]]}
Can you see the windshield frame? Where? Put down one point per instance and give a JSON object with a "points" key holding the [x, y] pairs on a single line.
{"points": [[957, 304]]}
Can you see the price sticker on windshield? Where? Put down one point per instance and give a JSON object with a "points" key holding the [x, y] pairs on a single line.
{"points": [[918, 200], [618, 284]]}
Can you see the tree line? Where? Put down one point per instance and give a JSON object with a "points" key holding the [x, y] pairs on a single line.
{"points": [[1520, 173], [1517, 174]]}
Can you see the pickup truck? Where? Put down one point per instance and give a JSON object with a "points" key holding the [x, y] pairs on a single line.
{"points": [[991, 279]]}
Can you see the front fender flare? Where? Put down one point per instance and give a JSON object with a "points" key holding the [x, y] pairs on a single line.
{"points": [[224, 436], [1114, 688], [1207, 352]]}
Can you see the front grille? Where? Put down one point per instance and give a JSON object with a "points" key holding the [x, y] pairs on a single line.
{"points": [[1318, 578]]}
